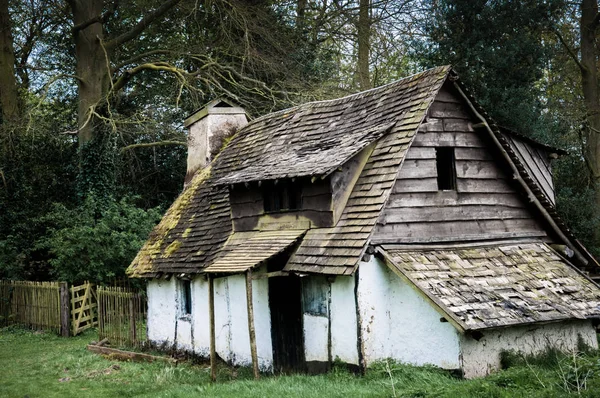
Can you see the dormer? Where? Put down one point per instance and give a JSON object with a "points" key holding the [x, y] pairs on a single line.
{"points": [[295, 203]]}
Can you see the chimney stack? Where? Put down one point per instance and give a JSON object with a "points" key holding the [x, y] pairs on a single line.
{"points": [[208, 128]]}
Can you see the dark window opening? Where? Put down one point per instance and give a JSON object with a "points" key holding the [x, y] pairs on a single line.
{"points": [[281, 196], [186, 297], [446, 169]]}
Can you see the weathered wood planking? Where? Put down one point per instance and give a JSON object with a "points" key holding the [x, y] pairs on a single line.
{"points": [[452, 198], [485, 229], [537, 164], [247, 206], [485, 204], [449, 213]]}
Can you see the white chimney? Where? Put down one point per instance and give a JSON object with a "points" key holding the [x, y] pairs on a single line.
{"points": [[208, 128]]}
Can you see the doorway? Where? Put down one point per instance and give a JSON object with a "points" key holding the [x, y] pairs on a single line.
{"points": [[285, 301]]}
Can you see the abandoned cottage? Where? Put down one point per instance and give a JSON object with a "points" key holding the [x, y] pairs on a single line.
{"points": [[393, 223]]}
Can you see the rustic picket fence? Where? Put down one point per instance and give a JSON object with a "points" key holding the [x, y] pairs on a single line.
{"points": [[51, 306], [34, 304], [119, 312], [122, 316]]}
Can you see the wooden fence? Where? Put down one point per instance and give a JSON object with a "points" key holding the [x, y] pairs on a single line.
{"points": [[33, 304], [122, 316]]}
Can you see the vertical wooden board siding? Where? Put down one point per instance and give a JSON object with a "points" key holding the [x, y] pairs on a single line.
{"points": [[534, 165], [485, 203]]}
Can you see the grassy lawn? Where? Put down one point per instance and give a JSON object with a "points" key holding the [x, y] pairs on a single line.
{"points": [[44, 365]]}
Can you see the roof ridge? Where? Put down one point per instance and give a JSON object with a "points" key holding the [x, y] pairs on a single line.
{"points": [[446, 68]]}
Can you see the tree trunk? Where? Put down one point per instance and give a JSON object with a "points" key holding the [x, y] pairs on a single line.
{"points": [[9, 97], [92, 65], [300, 11], [589, 82], [364, 50]]}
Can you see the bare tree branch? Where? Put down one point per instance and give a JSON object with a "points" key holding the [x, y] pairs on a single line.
{"points": [[569, 50], [152, 144]]}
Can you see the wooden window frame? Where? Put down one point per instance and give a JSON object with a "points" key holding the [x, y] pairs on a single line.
{"points": [[281, 197]]}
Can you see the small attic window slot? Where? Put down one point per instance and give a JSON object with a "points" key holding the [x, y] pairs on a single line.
{"points": [[446, 168], [281, 196]]}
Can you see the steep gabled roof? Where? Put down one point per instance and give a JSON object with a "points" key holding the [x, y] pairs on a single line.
{"points": [[194, 230], [503, 285]]}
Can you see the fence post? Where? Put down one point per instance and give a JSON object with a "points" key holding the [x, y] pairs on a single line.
{"points": [[132, 330], [65, 310]]}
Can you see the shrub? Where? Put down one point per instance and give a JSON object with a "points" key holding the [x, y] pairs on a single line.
{"points": [[97, 240]]}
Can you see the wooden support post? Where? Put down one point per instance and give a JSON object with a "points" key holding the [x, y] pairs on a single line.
{"points": [[65, 310], [211, 314], [132, 331], [251, 330]]}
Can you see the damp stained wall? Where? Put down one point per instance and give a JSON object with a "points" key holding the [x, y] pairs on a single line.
{"points": [[168, 327], [329, 319], [397, 323], [482, 357]]}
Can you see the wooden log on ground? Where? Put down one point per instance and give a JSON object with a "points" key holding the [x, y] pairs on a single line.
{"points": [[128, 355]]}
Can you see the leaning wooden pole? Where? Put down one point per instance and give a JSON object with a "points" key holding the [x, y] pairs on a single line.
{"points": [[211, 314], [251, 330]]}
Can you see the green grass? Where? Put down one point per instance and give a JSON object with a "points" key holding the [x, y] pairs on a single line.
{"points": [[44, 365]]}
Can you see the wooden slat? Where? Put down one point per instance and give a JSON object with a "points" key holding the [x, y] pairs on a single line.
{"points": [[485, 229], [453, 198], [457, 139], [454, 213]]}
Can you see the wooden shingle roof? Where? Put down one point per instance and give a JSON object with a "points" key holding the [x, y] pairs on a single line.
{"points": [[487, 287], [310, 139], [247, 250]]}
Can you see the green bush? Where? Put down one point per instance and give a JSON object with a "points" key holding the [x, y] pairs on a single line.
{"points": [[96, 240]]}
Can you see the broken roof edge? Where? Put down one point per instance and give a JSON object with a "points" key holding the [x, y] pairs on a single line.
{"points": [[529, 140]]}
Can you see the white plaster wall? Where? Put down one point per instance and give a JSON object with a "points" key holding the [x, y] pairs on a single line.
{"points": [[162, 311], [231, 321], [397, 323], [200, 318], [222, 319], [316, 336], [482, 357], [185, 336], [262, 323], [343, 320]]}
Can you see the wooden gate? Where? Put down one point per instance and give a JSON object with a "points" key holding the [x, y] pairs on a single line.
{"points": [[84, 307]]}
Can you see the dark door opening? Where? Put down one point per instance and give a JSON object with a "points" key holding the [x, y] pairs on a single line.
{"points": [[285, 301]]}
